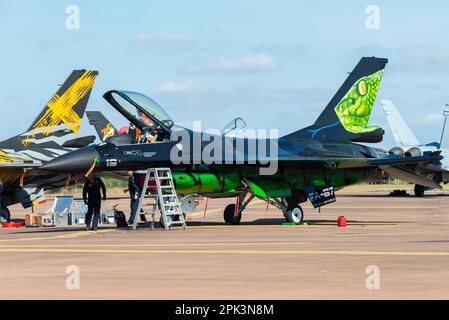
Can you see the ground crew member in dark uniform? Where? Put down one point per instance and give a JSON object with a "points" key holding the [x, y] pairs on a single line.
{"points": [[134, 193], [92, 198], [2, 218]]}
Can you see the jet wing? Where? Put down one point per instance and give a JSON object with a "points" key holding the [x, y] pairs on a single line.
{"points": [[395, 160], [405, 168], [410, 176], [409, 168], [19, 165], [343, 163]]}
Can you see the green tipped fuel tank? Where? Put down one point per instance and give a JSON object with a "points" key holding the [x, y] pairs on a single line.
{"points": [[205, 182]]}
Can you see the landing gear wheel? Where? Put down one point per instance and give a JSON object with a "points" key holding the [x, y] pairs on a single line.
{"points": [[294, 214], [229, 216], [4, 212], [419, 190]]}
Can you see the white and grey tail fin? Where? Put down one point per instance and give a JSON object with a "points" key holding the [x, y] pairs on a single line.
{"points": [[402, 134], [444, 141]]}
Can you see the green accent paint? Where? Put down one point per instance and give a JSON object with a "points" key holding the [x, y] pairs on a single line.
{"points": [[266, 188], [292, 224], [205, 183], [355, 108], [208, 183]]}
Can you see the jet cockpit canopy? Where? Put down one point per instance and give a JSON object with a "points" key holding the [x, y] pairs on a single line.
{"points": [[234, 127], [142, 111]]}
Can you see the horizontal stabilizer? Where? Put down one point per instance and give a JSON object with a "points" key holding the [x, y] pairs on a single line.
{"points": [[30, 196], [410, 176], [396, 160]]}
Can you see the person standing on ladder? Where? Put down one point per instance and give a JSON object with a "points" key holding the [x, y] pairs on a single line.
{"points": [[92, 190], [134, 193]]}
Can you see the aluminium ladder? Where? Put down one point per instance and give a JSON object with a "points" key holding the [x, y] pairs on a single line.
{"points": [[165, 198]]}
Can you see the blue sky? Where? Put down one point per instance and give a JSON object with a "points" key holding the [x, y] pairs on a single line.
{"points": [[274, 63]]}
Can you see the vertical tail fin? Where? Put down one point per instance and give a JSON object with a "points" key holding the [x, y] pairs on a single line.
{"points": [[346, 116], [402, 134], [64, 112], [103, 126], [444, 141], [68, 104]]}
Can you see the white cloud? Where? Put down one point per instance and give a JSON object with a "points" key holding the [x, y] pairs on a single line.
{"points": [[429, 57], [431, 118], [293, 50], [178, 86], [251, 63], [175, 40]]}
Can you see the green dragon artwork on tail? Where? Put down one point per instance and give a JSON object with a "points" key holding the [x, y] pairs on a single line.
{"points": [[355, 108]]}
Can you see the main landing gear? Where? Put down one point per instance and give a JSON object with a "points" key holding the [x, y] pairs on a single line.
{"points": [[419, 190], [293, 212], [233, 213]]}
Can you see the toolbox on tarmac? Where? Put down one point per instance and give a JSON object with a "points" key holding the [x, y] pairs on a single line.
{"points": [[33, 220], [61, 211], [107, 217], [79, 214], [66, 212], [48, 220], [63, 219]]}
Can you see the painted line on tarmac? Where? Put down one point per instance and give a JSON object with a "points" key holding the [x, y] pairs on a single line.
{"points": [[62, 236], [200, 214], [238, 252], [237, 226], [365, 207], [161, 245]]}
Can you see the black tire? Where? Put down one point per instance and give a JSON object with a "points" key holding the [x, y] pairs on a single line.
{"points": [[419, 190], [294, 214], [229, 216]]}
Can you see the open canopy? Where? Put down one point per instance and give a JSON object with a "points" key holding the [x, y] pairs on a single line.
{"points": [[140, 110]]}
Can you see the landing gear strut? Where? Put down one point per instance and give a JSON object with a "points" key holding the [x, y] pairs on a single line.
{"points": [[233, 215], [293, 213]]}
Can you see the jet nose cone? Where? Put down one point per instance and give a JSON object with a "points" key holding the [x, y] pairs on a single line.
{"points": [[78, 161]]}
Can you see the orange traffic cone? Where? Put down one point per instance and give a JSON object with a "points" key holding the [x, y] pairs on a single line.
{"points": [[342, 221]]}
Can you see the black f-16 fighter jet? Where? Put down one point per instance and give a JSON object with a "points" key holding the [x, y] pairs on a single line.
{"points": [[54, 133], [307, 164]]}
